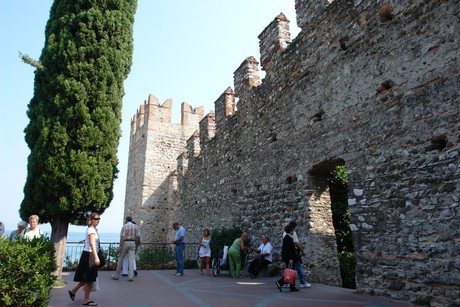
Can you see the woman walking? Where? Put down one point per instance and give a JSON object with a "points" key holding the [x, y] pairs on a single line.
{"points": [[288, 255], [86, 272]]}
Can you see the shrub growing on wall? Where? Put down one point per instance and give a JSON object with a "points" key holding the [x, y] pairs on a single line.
{"points": [[341, 220], [25, 272], [223, 236]]}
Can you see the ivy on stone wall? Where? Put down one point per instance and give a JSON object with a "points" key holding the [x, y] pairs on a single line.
{"points": [[341, 220]]}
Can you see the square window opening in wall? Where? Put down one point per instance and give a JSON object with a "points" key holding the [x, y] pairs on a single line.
{"points": [[438, 142], [290, 179]]}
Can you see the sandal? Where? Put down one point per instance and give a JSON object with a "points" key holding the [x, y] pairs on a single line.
{"points": [[72, 296], [90, 303]]}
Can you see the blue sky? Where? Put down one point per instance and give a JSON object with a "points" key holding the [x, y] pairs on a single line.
{"points": [[184, 50]]}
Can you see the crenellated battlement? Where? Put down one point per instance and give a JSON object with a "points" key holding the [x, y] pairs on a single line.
{"points": [[153, 111], [224, 106], [246, 76], [190, 115], [207, 128], [274, 39], [193, 145]]}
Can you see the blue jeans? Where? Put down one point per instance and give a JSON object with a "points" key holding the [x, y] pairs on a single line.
{"points": [[180, 257], [298, 267]]}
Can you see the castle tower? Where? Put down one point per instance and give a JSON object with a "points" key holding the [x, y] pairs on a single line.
{"points": [[155, 144]]}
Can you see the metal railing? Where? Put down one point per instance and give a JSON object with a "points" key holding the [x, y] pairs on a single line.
{"points": [[150, 256]]}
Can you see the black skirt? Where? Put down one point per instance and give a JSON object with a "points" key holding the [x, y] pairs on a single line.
{"points": [[86, 270]]}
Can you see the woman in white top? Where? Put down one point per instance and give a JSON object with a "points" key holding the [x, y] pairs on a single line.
{"points": [[32, 231], [205, 251], [86, 272]]}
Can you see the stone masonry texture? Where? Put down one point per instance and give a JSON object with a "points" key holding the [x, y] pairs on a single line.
{"points": [[371, 85]]}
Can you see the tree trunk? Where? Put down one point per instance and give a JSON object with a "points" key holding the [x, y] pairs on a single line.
{"points": [[59, 228]]}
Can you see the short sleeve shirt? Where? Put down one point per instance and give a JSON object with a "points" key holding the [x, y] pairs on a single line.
{"points": [[180, 233], [266, 249], [130, 232], [90, 230]]}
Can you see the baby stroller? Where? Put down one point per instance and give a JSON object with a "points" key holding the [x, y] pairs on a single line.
{"points": [[220, 261]]}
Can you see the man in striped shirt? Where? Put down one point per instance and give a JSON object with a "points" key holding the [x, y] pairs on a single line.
{"points": [[128, 236]]}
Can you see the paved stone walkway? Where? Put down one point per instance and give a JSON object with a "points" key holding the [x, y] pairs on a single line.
{"points": [[161, 288]]}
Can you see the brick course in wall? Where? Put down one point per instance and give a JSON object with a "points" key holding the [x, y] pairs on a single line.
{"points": [[372, 85]]}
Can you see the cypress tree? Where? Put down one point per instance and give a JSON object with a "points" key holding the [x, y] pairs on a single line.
{"points": [[75, 112]]}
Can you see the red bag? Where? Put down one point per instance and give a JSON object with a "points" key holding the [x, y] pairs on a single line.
{"points": [[289, 276]]}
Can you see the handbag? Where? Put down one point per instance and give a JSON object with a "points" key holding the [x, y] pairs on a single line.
{"points": [[101, 256], [289, 275]]}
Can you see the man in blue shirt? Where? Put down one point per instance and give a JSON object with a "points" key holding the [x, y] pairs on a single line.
{"points": [[179, 240]]}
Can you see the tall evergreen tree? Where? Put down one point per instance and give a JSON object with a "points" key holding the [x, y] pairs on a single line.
{"points": [[75, 112]]}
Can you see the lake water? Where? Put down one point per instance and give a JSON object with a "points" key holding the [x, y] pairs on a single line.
{"points": [[74, 249], [105, 237]]}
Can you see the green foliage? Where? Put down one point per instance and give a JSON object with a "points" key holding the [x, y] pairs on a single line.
{"points": [[69, 264], [348, 269], [340, 211], [223, 236], [190, 263], [75, 113], [27, 59], [25, 272], [111, 253], [156, 257], [341, 221]]}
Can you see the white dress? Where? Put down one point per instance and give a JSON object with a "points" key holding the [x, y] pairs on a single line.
{"points": [[205, 251]]}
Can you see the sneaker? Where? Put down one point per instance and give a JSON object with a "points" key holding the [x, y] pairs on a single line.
{"points": [[175, 273], [115, 277], [295, 289], [135, 272], [307, 285], [178, 274]]}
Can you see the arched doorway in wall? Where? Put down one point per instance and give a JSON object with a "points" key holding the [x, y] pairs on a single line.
{"points": [[330, 209]]}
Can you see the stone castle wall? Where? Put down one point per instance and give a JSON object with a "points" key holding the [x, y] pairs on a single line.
{"points": [[372, 85]]}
